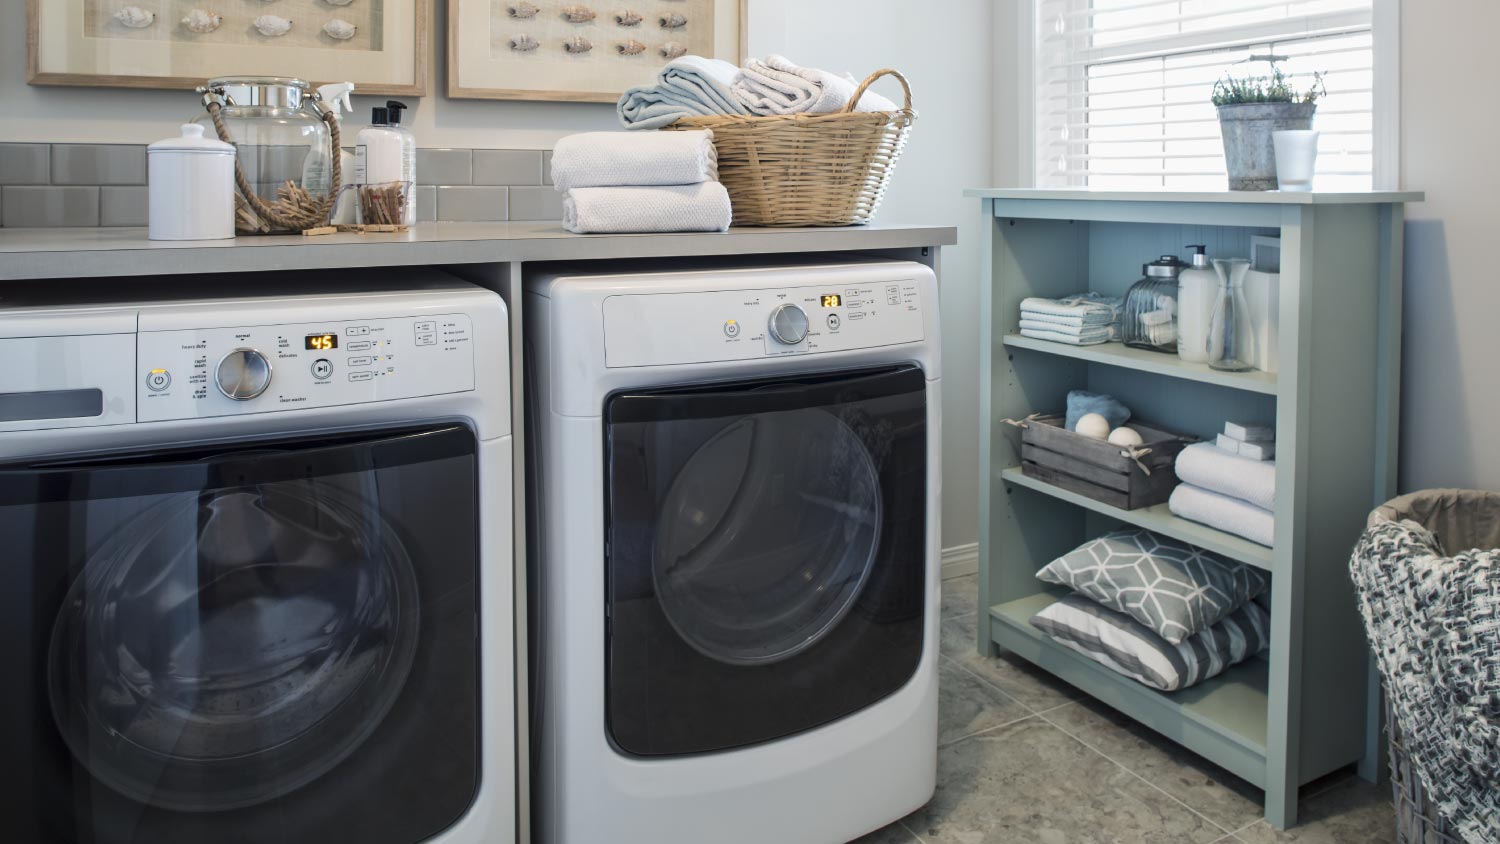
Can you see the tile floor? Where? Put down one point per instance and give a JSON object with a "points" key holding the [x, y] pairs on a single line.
{"points": [[1026, 758]]}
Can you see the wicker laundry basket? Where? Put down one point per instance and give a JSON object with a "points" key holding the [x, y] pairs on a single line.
{"points": [[809, 169]]}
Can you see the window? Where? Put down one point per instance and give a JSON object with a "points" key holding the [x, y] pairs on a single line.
{"points": [[1124, 86]]}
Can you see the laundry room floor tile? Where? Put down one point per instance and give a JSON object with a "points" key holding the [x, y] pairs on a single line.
{"points": [[960, 595], [1353, 812], [968, 705], [1033, 688], [896, 833], [1030, 782]]}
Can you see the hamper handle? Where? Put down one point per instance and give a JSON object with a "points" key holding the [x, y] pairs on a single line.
{"points": [[870, 80]]}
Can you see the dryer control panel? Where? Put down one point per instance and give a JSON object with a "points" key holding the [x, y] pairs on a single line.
{"points": [[195, 373], [656, 329]]}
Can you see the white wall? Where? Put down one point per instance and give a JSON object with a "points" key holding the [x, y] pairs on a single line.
{"points": [[945, 53], [1450, 418]]}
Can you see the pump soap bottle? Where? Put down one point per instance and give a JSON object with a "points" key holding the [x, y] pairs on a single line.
{"points": [[385, 167], [1197, 293], [336, 97]]}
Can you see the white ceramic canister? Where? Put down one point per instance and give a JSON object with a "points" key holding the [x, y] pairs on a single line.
{"points": [[190, 187]]}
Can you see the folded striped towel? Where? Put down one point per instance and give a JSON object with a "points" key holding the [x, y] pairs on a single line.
{"points": [[1061, 328], [1092, 337], [1086, 308]]}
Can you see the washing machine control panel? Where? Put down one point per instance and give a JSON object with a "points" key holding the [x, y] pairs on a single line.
{"points": [[194, 373], [656, 329]]}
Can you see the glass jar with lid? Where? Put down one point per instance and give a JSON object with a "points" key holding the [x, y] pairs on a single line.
{"points": [[285, 142], [1149, 316]]}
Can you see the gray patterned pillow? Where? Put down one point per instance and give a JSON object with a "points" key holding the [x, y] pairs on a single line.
{"points": [[1171, 587]]}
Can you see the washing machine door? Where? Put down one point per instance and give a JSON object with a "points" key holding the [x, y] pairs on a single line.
{"points": [[262, 643], [766, 556]]}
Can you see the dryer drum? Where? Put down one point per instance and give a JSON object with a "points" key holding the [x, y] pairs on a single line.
{"points": [[233, 645]]}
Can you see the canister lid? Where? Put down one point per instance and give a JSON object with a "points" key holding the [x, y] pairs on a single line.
{"points": [[1167, 266], [192, 140]]}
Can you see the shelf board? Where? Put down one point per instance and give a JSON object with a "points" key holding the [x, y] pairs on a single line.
{"points": [[1222, 718], [1158, 519], [1144, 360]]}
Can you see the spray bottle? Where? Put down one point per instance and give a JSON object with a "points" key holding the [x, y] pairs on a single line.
{"points": [[336, 97]]}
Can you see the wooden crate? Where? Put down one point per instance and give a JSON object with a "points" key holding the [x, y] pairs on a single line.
{"points": [[1102, 470]]}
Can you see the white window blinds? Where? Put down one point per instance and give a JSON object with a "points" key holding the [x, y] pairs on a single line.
{"points": [[1124, 86]]}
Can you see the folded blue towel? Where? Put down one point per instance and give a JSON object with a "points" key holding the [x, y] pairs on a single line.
{"points": [[1081, 403], [689, 86]]}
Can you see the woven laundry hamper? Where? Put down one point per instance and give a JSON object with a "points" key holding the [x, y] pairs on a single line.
{"points": [[809, 169], [1427, 572]]}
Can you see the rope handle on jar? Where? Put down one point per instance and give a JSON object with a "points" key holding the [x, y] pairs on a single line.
{"points": [[304, 217]]}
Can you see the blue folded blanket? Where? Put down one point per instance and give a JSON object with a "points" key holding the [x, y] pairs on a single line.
{"points": [[1081, 403], [687, 87]]}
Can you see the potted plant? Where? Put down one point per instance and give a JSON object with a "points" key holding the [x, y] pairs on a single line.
{"points": [[1250, 109]]}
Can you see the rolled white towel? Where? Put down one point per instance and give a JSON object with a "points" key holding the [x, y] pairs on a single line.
{"points": [[1230, 515], [610, 159], [1212, 468], [776, 85], [702, 207]]}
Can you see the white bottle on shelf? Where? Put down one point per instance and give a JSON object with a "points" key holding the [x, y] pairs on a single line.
{"points": [[336, 97], [1197, 293], [385, 158]]}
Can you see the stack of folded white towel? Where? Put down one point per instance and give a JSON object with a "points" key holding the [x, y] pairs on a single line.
{"points": [[619, 182], [1083, 320], [694, 86], [1230, 487]]}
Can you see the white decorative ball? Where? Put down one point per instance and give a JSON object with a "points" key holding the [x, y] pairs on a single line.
{"points": [[1093, 425], [1125, 437]]}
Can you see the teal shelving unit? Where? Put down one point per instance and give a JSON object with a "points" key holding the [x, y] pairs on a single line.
{"points": [[1309, 705]]}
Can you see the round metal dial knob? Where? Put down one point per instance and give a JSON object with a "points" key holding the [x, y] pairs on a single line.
{"points": [[788, 324], [243, 374]]}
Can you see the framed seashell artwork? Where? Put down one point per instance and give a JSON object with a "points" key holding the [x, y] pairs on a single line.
{"points": [[579, 50], [379, 45]]}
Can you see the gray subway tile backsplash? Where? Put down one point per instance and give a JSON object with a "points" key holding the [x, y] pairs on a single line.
{"points": [[24, 164], [98, 164], [444, 167], [507, 167], [49, 205], [472, 204], [122, 205], [105, 184]]}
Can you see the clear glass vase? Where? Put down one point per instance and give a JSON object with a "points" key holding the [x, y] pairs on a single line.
{"points": [[1231, 337]]}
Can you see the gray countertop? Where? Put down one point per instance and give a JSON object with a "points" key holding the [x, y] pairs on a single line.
{"points": [[1271, 197], [83, 253]]}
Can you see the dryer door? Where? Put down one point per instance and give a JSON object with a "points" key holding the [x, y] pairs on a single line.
{"points": [[765, 561], [262, 643]]}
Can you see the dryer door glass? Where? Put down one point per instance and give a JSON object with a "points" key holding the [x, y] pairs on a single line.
{"points": [[766, 556], [238, 636]]}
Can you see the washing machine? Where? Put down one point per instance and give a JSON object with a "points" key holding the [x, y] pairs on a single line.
{"points": [[735, 552], [258, 563]]}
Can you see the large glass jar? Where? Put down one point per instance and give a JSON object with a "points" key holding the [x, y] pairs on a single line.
{"points": [[284, 150], [1149, 320]]}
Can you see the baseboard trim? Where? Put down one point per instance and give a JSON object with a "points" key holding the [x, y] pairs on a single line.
{"points": [[960, 560]]}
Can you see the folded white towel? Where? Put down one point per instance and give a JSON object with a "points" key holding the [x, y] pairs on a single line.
{"points": [[1102, 335], [702, 207], [1090, 308], [776, 85], [1074, 330], [691, 85], [609, 159], [1208, 466], [1230, 515]]}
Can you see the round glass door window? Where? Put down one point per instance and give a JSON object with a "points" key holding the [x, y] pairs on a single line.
{"points": [[230, 646], [767, 535]]}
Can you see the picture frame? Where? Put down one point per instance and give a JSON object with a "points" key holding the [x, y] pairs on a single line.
{"points": [[379, 45], [488, 60]]}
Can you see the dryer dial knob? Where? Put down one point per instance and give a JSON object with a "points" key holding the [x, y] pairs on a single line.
{"points": [[788, 324], [243, 374]]}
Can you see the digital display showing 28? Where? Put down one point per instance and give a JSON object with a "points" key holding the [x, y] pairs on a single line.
{"points": [[832, 300]]}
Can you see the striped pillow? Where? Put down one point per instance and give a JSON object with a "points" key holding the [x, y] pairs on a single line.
{"points": [[1128, 647]]}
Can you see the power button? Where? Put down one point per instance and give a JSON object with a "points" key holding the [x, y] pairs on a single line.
{"points": [[158, 380], [731, 328]]}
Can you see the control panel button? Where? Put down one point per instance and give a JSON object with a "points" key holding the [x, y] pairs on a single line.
{"points": [[322, 368], [788, 324], [243, 374], [731, 328], [427, 338], [358, 346], [361, 376], [424, 326], [357, 330], [893, 295], [359, 362], [834, 322], [158, 380]]}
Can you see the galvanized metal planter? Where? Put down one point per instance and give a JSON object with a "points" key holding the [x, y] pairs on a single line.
{"points": [[1248, 150]]}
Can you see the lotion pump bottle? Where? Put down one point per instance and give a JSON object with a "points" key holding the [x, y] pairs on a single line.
{"points": [[385, 167], [336, 97], [1197, 293]]}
